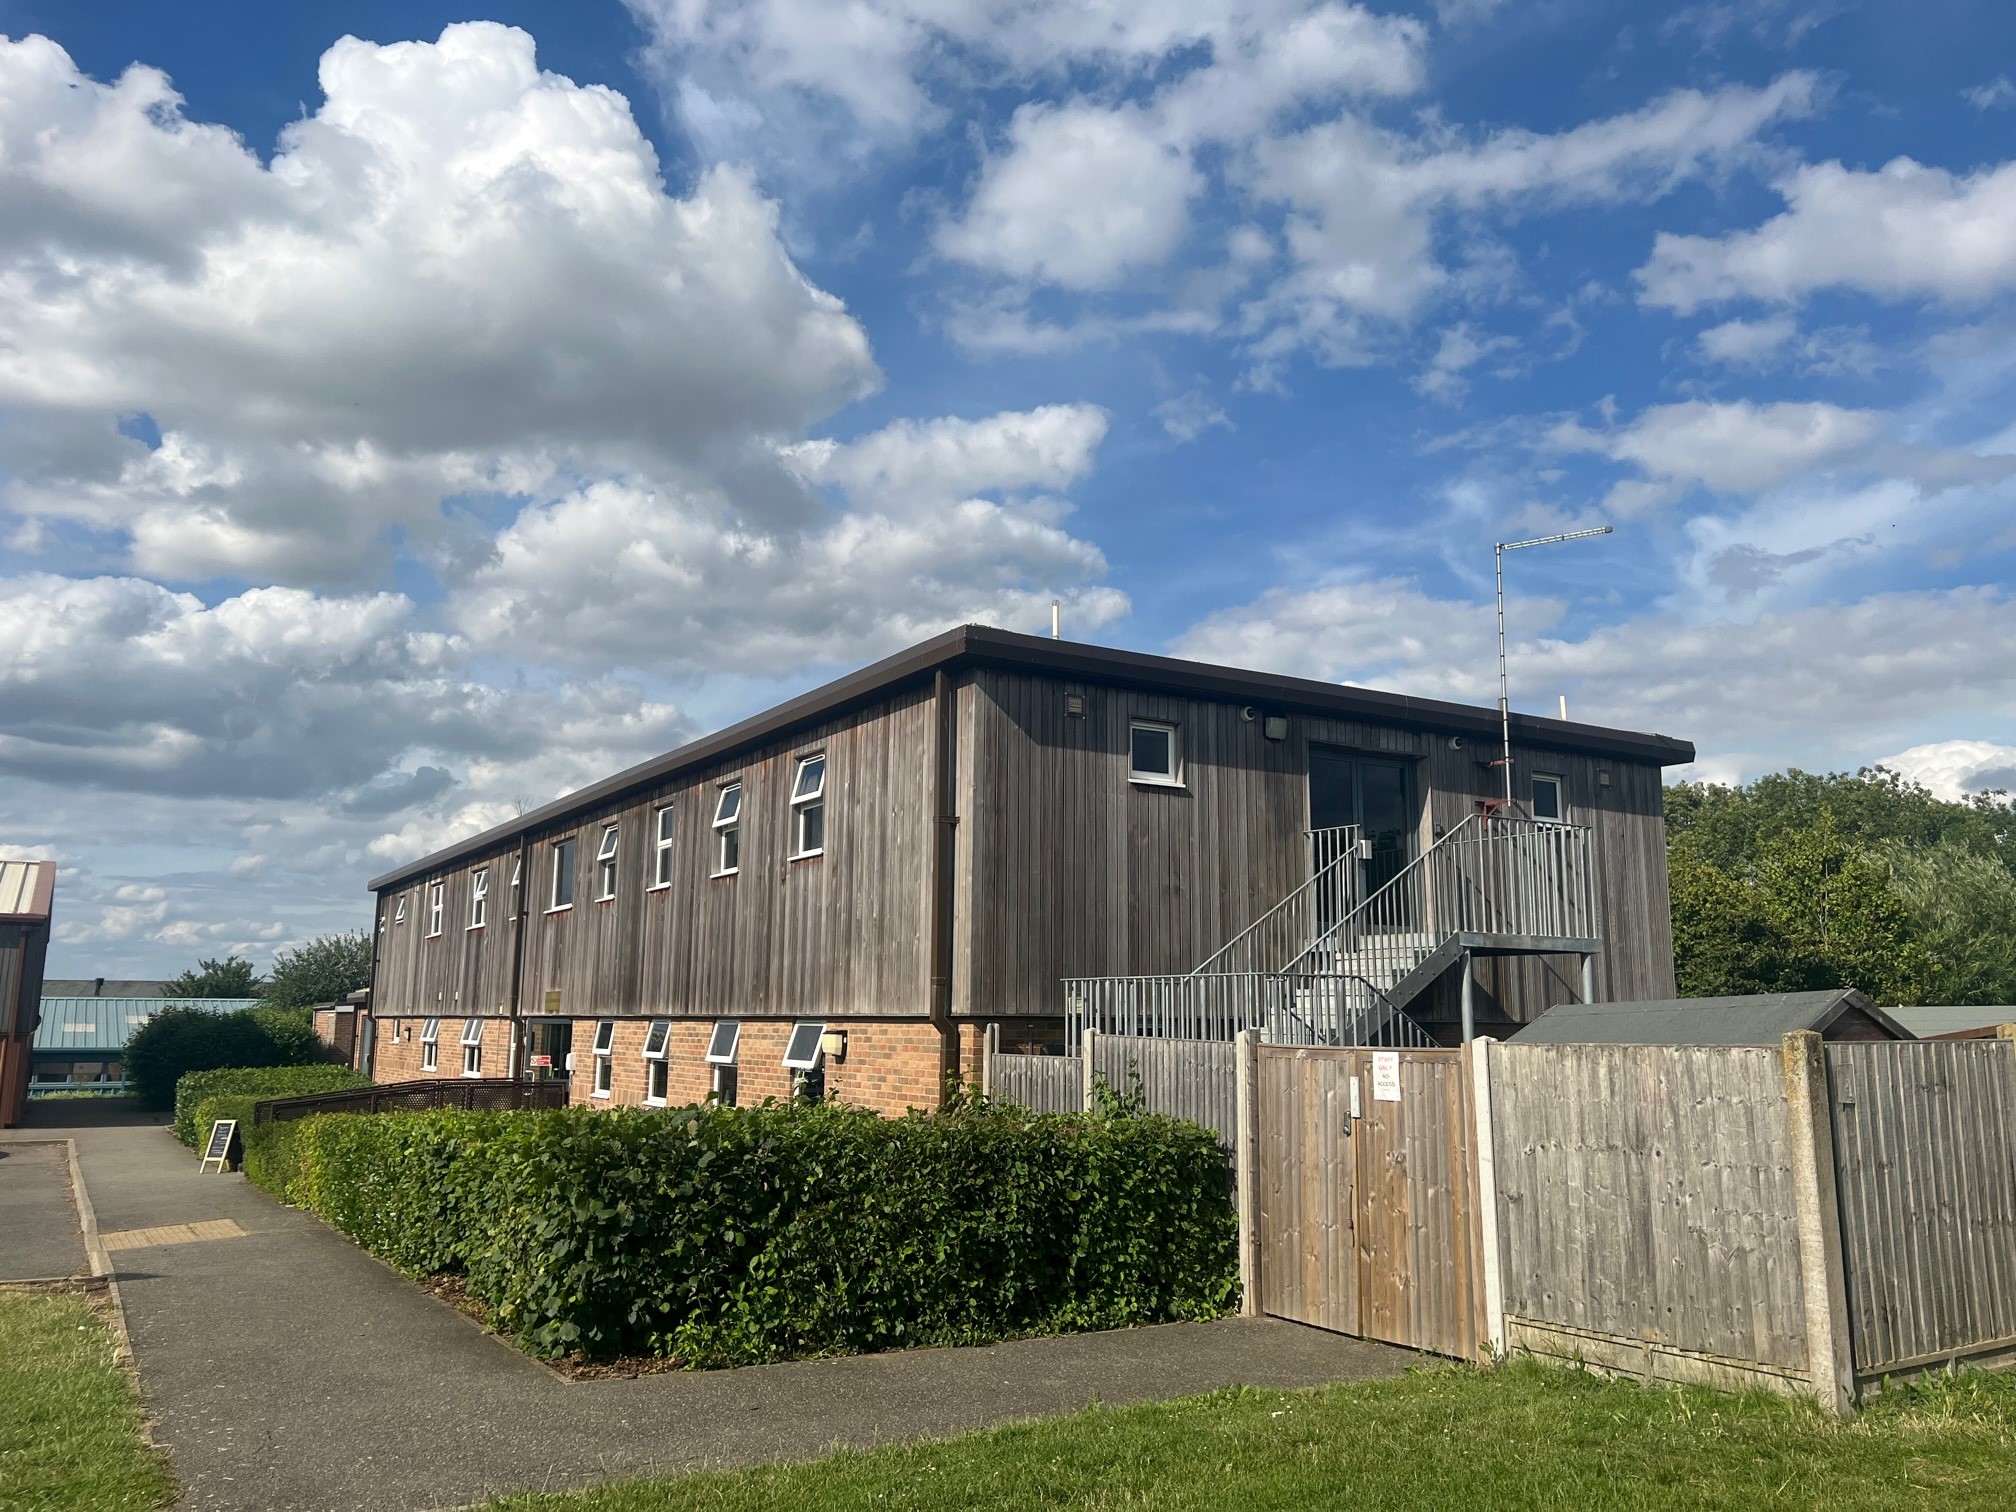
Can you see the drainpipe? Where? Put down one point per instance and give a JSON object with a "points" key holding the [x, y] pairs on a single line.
{"points": [[523, 890], [945, 820]]}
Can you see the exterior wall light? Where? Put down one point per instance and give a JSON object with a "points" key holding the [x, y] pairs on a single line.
{"points": [[833, 1045]]}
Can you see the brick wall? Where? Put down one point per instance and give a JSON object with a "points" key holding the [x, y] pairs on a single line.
{"points": [[398, 1053]]}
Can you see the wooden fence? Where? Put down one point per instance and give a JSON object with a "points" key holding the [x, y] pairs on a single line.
{"points": [[1803, 1218], [1190, 1079], [1925, 1163]]}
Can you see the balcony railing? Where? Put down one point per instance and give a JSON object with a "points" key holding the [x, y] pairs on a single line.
{"points": [[1291, 1008]]}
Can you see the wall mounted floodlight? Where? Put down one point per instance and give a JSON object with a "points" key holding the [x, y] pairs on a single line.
{"points": [[1504, 706]]}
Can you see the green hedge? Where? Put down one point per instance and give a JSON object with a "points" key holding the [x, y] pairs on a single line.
{"points": [[179, 1040], [192, 1087], [723, 1236]]}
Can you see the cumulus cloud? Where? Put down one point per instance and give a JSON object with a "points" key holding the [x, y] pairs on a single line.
{"points": [[1956, 768], [458, 275], [1905, 231], [1798, 685]]}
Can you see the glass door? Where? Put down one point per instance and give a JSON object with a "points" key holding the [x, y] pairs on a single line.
{"points": [[1372, 792], [551, 1042]]}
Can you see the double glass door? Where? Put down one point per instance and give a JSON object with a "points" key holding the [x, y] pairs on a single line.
{"points": [[1373, 793]]}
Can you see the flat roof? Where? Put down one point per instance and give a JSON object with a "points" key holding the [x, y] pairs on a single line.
{"points": [[984, 646], [87, 1025]]}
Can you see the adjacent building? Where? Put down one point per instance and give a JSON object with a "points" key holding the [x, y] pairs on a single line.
{"points": [[27, 894], [80, 1042], [839, 896]]}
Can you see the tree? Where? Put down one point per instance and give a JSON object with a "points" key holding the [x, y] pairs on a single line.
{"points": [[322, 971], [178, 1040], [232, 977]]}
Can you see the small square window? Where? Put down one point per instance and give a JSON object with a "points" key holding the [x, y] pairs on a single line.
{"points": [[722, 1044], [605, 1037], [605, 864], [479, 899], [472, 1032], [1152, 756], [726, 1085], [1548, 797], [661, 845], [802, 1052]]}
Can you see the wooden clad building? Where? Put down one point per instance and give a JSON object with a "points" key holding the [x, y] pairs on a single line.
{"points": [[860, 880], [27, 894]]}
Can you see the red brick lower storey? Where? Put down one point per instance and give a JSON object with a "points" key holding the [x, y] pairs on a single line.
{"points": [[888, 1065]]}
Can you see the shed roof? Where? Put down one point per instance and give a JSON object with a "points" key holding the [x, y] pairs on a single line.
{"points": [[146, 987], [981, 645], [84, 1024], [27, 888], [1758, 1019], [1931, 1021]]}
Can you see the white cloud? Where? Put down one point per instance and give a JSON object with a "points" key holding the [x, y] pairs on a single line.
{"points": [[1906, 231], [1775, 341], [1955, 768], [1459, 350], [1997, 94], [1187, 416], [456, 275], [1823, 684], [1748, 343]]}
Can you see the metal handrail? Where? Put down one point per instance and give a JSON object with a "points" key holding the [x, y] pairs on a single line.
{"points": [[1501, 876], [1310, 1008], [1272, 941], [466, 1093]]}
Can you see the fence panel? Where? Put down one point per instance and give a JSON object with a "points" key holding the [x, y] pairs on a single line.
{"points": [[1043, 1083], [1925, 1165], [1646, 1210], [1193, 1079]]}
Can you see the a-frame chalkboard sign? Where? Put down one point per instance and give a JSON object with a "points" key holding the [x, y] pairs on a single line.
{"points": [[222, 1135]]}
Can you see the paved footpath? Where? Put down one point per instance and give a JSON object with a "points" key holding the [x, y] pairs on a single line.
{"points": [[39, 1237], [285, 1368]]}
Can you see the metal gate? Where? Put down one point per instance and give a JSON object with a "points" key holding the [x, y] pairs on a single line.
{"points": [[1365, 1210]]}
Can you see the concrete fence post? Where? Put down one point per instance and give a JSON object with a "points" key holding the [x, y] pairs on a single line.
{"points": [[1246, 1166], [1489, 1259], [1085, 1070], [1822, 1271], [990, 1046]]}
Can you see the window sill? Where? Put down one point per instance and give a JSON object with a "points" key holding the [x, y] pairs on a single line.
{"points": [[606, 898], [656, 1102], [659, 887], [433, 934], [472, 928], [809, 855], [723, 876], [603, 1095], [560, 908], [1134, 779]]}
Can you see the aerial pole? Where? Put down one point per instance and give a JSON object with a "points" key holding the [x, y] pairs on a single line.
{"points": [[1504, 702]]}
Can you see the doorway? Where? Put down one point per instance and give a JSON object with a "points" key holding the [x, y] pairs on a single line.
{"points": [[1374, 793], [552, 1044]]}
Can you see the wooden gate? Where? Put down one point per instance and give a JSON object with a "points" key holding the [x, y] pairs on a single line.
{"points": [[1365, 1204]]}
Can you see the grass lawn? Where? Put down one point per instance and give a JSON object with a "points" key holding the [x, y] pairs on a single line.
{"points": [[1526, 1436], [69, 1419]]}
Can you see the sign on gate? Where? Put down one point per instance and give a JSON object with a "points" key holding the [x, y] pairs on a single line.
{"points": [[1385, 1076]]}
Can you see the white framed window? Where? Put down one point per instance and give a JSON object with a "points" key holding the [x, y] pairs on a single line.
{"points": [[1550, 797], [472, 1048], [605, 864], [808, 807], [661, 847], [605, 1056], [728, 831], [436, 894], [1153, 755], [479, 898], [721, 1047], [657, 1062], [430, 1045], [399, 913], [517, 885], [806, 1062], [561, 894]]}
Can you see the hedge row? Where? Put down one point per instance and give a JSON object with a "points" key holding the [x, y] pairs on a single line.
{"points": [[721, 1236], [193, 1087], [238, 1105], [179, 1040]]}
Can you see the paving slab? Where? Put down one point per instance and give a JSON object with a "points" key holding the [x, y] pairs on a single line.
{"points": [[287, 1369], [39, 1237]]}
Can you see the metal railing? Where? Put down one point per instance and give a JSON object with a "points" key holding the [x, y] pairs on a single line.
{"points": [[470, 1094], [1510, 878], [1279, 935], [1288, 1008]]}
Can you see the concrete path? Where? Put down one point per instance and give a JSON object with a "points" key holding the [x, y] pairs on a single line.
{"points": [[39, 1237], [285, 1368]]}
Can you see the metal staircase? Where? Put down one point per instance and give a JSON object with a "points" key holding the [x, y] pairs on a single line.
{"points": [[1328, 966]]}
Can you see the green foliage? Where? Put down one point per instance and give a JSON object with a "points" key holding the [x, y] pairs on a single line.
{"points": [[232, 977], [724, 1236], [193, 1088], [324, 970], [179, 1040], [223, 1105], [1799, 881]]}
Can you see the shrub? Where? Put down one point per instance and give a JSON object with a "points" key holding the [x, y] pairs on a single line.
{"points": [[724, 1236], [257, 1082], [179, 1040]]}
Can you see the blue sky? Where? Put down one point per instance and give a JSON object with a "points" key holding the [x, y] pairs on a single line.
{"points": [[401, 429]]}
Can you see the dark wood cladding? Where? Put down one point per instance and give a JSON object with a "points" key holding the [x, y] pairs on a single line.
{"points": [[462, 971], [829, 936], [1069, 869]]}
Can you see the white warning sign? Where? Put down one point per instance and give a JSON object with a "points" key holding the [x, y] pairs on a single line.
{"points": [[1385, 1076]]}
